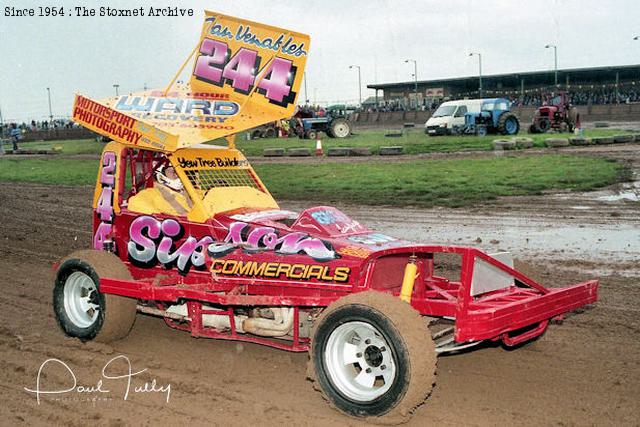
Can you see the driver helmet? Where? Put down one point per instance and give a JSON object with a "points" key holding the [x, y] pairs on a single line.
{"points": [[173, 183]]}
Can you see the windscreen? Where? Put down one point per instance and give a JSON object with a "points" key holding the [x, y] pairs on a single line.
{"points": [[204, 180], [221, 179], [444, 110]]}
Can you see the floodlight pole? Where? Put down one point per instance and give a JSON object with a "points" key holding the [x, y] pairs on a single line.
{"points": [[555, 62], [50, 112], [479, 72], [306, 96], [359, 83], [415, 78]]}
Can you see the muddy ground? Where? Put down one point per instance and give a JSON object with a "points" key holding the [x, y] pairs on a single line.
{"points": [[585, 371]]}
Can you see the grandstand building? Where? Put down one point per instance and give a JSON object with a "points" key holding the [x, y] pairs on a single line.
{"points": [[597, 85]]}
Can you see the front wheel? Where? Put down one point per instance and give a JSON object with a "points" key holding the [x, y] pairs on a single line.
{"points": [[372, 356], [82, 311], [543, 125]]}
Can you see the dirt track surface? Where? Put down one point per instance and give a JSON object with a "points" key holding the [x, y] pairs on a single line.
{"points": [[585, 371]]}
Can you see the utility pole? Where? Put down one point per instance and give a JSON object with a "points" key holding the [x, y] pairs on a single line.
{"points": [[359, 83], [479, 72], [555, 63], [415, 78], [116, 86], [306, 96], [50, 112], [1, 131]]}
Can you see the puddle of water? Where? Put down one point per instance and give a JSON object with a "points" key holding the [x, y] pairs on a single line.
{"points": [[630, 191], [613, 242], [581, 208], [626, 195]]}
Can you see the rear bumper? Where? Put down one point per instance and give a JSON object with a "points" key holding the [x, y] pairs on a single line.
{"points": [[485, 321]]}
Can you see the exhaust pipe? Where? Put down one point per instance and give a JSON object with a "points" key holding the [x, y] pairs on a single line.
{"points": [[279, 326], [216, 321]]}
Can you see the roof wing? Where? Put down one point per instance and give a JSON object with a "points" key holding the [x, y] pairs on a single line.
{"points": [[244, 74]]}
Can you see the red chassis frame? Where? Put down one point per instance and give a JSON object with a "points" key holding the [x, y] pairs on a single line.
{"points": [[514, 314]]}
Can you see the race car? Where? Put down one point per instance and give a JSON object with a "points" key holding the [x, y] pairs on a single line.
{"points": [[187, 231]]}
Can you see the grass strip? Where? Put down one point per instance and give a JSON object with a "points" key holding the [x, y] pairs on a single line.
{"points": [[441, 182]]}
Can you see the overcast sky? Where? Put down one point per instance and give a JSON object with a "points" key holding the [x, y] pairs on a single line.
{"points": [[90, 54]]}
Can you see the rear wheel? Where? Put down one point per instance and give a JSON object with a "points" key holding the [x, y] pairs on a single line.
{"points": [[508, 124], [372, 356], [81, 310], [340, 128]]}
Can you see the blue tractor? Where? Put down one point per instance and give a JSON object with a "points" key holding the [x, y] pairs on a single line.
{"points": [[335, 123], [495, 117]]}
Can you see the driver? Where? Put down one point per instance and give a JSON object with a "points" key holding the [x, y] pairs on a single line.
{"points": [[167, 196]]}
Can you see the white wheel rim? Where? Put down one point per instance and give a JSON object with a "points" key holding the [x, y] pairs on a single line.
{"points": [[341, 130], [359, 361], [80, 301]]}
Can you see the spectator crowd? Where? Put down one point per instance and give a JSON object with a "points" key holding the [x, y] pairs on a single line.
{"points": [[586, 97]]}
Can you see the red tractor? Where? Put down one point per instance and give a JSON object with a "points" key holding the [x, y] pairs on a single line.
{"points": [[555, 113], [188, 232]]}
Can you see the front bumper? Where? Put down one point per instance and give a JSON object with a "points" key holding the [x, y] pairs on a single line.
{"points": [[436, 130]]}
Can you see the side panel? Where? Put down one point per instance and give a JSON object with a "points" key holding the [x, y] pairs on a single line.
{"points": [[106, 203], [183, 252]]}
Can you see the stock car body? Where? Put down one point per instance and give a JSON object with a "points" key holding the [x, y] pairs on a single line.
{"points": [[372, 310]]}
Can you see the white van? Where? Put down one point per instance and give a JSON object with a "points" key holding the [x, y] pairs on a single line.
{"points": [[450, 114]]}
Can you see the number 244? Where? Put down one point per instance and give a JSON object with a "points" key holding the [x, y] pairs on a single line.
{"points": [[215, 65]]}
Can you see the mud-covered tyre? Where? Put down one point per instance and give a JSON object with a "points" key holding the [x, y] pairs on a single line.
{"points": [[256, 134], [372, 357], [81, 310], [508, 124], [270, 132], [311, 134], [543, 125], [340, 128]]}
